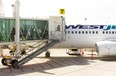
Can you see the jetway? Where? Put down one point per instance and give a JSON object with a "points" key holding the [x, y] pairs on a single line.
{"points": [[33, 29], [47, 33]]}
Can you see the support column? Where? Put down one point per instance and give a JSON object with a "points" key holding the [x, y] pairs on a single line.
{"points": [[17, 27]]}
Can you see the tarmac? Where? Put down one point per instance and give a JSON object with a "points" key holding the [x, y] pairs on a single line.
{"points": [[61, 64]]}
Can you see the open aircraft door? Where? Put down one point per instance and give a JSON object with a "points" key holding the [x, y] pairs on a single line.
{"points": [[57, 28]]}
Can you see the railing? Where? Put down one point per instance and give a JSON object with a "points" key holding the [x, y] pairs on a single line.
{"points": [[33, 49], [58, 35], [35, 52]]}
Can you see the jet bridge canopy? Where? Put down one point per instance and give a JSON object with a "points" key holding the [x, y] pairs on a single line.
{"points": [[32, 29]]}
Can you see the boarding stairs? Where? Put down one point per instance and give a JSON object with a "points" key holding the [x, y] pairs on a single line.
{"points": [[30, 54]]}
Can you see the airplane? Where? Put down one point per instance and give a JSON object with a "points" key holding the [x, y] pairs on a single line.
{"points": [[100, 37]]}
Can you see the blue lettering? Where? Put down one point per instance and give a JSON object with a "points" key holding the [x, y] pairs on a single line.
{"points": [[104, 27], [108, 27], [93, 26], [113, 27], [83, 27], [74, 27], [67, 27]]}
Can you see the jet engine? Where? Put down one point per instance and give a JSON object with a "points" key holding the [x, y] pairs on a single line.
{"points": [[106, 48]]}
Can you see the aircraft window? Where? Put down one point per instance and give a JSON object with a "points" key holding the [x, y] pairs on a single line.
{"points": [[89, 32], [86, 32], [112, 32], [75, 32], [68, 32], [58, 28], [106, 32], [79, 32], [109, 32], [96, 32], [82, 32], [93, 32], [103, 32], [115, 32], [72, 32]]}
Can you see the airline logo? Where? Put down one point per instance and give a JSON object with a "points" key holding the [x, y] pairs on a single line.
{"points": [[103, 27]]}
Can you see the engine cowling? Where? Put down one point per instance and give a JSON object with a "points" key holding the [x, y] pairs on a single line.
{"points": [[106, 48]]}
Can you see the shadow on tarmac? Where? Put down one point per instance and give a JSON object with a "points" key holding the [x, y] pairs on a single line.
{"points": [[41, 64], [103, 58], [108, 58]]}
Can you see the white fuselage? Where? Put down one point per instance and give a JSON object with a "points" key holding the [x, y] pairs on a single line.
{"points": [[85, 36]]}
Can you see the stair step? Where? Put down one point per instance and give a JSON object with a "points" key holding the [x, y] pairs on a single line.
{"points": [[36, 52]]}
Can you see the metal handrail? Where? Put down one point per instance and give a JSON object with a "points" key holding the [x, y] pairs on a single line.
{"points": [[35, 47]]}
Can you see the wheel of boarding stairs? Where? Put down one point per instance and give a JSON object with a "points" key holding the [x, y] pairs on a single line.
{"points": [[47, 54], [4, 61], [13, 63]]}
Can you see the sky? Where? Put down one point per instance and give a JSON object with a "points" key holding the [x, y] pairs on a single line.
{"points": [[96, 11]]}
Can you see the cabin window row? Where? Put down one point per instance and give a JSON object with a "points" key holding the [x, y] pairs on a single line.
{"points": [[81, 32], [90, 32], [109, 32]]}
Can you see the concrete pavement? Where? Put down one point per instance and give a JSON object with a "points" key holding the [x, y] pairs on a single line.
{"points": [[61, 64]]}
